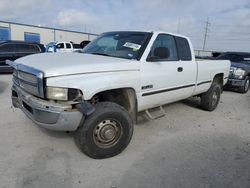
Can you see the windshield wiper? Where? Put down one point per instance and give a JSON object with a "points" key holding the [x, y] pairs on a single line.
{"points": [[97, 53]]}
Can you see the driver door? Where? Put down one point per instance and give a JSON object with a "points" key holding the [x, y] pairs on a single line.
{"points": [[162, 78]]}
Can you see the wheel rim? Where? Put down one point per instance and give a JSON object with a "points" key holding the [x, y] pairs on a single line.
{"points": [[215, 98], [107, 133], [247, 85]]}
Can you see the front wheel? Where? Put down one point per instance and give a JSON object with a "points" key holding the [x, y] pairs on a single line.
{"points": [[211, 98], [106, 132], [245, 87]]}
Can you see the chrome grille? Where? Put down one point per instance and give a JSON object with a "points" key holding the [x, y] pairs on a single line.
{"points": [[29, 79], [29, 87]]}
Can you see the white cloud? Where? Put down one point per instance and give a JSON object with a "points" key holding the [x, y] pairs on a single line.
{"points": [[73, 17], [12, 9]]}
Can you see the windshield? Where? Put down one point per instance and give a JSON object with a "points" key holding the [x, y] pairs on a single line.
{"points": [[128, 45]]}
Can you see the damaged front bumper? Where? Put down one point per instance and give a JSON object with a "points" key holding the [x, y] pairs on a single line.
{"points": [[46, 114]]}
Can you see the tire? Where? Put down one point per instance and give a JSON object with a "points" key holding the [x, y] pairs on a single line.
{"points": [[106, 132], [245, 88], [211, 98]]}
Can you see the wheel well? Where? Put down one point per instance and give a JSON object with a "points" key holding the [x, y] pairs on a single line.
{"points": [[125, 97], [218, 78]]}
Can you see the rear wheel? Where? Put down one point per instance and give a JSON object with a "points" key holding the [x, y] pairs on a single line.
{"points": [[106, 132], [245, 87], [211, 98]]}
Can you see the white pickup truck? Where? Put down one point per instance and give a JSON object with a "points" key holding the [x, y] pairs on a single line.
{"points": [[98, 93], [63, 47]]}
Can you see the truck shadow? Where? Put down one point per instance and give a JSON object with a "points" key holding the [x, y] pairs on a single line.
{"points": [[57, 134], [193, 102]]}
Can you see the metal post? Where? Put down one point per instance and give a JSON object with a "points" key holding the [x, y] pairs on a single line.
{"points": [[206, 35]]}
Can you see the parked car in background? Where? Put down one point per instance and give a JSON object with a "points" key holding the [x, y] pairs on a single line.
{"points": [[63, 47], [12, 50], [51, 47], [239, 76]]}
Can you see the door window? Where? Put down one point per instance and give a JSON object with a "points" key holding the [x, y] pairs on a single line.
{"points": [[60, 45], [6, 48], [34, 48], [163, 49], [22, 48]]}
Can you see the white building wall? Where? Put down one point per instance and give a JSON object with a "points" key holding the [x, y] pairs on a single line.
{"points": [[46, 34], [17, 33], [4, 24], [70, 36]]}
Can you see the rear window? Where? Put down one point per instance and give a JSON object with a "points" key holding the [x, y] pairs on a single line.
{"points": [[183, 49]]}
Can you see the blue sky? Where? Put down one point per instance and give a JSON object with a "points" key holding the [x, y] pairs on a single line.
{"points": [[229, 29]]}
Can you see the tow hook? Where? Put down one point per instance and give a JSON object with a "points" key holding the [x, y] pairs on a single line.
{"points": [[85, 108]]}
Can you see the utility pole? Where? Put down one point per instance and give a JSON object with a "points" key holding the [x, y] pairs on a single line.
{"points": [[206, 33]]}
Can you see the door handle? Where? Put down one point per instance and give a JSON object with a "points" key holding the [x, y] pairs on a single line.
{"points": [[180, 69]]}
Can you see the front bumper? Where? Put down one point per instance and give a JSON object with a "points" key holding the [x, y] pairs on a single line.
{"points": [[46, 114], [235, 83]]}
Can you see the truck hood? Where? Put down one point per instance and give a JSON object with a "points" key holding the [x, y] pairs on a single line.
{"points": [[57, 64]]}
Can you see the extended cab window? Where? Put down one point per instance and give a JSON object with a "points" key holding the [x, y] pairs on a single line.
{"points": [[163, 49], [68, 45], [183, 47]]}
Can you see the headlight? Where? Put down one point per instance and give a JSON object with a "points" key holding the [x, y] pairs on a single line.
{"points": [[56, 93], [239, 73], [62, 94]]}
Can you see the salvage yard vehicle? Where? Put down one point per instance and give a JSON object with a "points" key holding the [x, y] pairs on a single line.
{"points": [[98, 93], [63, 47], [239, 76], [12, 50]]}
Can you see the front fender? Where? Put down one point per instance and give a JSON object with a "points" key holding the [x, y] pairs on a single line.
{"points": [[93, 83]]}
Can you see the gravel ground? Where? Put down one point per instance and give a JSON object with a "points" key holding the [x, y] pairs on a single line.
{"points": [[188, 147]]}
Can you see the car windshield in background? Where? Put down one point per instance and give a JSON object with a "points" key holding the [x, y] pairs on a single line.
{"points": [[128, 45]]}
